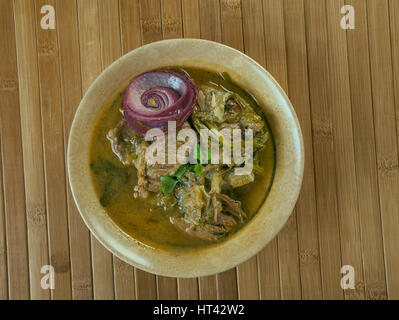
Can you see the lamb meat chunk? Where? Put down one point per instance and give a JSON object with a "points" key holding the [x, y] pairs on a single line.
{"points": [[192, 201], [205, 232], [156, 171], [233, 104], [251, 120], [231, 206], [131, 149], [233, 111], [211, 103], [193, 219], [236, 181], [225, 220], [142, 181], [124, 142]]}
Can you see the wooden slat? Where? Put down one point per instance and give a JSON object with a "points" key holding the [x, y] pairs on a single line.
{"points": [[187, 288], [394, 26], [171, 19], [308, 238], [276, 64], [90, 52], [386, 140], [129, 11], [250, 280], [14, 259], [325, 170], [89, 41], [208, 288], [231, 20], [54, 165], [33, 165], [146, 285], [191, 18], [340, 103], [110, 37], [210, 24], [167, 288], [150, 20], [231, 27], [3, 248], [365, 155], [54, 159], [227, 288], [71, 93], [123, 280]]}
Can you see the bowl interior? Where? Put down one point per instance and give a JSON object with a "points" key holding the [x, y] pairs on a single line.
{"points": [[273, 213]]}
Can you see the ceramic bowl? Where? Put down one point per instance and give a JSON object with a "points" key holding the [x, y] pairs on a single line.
{"points": [[272, 214]]}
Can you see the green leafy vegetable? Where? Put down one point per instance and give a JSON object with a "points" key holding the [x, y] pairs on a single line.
{"points": [[198, 169], [200, 154], [180, 172], [168, 183]]}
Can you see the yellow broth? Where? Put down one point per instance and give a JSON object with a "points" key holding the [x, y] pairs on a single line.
{"points": [[142, 218]]}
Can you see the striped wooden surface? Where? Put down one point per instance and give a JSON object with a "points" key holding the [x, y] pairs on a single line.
{"points": [[344, 85]]}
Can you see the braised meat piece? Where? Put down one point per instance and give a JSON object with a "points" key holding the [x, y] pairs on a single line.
{"points": [[131, 150], [206, 232], [124, 142], [192, 201], [224, 219], [156, 171], [236, 181]]}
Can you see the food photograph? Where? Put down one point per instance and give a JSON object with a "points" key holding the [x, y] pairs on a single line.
{"points": [[176, 151]]}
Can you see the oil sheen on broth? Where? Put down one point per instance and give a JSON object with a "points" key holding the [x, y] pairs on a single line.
{"points": [[142, 218]]}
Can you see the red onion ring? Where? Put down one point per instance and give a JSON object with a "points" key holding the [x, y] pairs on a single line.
{"points": [[153, 98]]}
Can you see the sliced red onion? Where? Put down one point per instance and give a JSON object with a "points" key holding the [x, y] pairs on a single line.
{"points": [[156, 97], [161, 97]]}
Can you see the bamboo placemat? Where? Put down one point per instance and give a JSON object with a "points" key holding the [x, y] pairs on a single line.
{"points": [[344, 85]]}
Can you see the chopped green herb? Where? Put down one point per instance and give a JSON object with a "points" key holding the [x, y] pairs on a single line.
{"points": [[180, 172], [198, 151], [200, 155], [168, 183], [198, 169]]}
